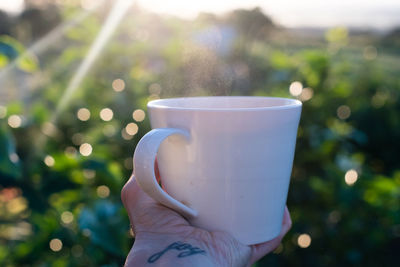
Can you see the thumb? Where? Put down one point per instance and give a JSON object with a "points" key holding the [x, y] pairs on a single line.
{"points": [[260, 250]]}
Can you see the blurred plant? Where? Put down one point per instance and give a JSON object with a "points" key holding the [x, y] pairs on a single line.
{"points": [[60, 180]]}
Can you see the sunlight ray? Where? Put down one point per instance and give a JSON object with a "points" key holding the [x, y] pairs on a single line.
{"points": [[116, 14], [113, 19], [43, 43]]}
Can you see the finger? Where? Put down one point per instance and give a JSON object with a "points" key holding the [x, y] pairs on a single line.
{"points": [[132, 194], [157, 174], [133, 197], [156, 171], [137, 203], [260, 250], [146, 214]]}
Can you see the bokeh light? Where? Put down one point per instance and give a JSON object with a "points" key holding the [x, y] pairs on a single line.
{"points": [[304, 240], [106, 114], [295, 88], [85, 149], [83, 114], [334, 217], [118, 85], [128, 163], [379, 99], [55, 244], [86, 232], [49, 161], [16, 205], [70, 151], [67, 217], [89, 174], [131, 128], [138, 115], [49, 129], [78, 139], [155, 89], [306, 94], [109, 130], [343, 112], [125, 135], [14, 157], [241, 70], [77, 250], [103, 191], [14, 121], [351, 177]]}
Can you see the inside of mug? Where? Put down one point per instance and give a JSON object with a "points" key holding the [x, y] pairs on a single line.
{"points": [[221, 102]]}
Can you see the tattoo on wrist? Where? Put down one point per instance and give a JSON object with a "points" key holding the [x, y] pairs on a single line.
{"points": [[187, 250]]}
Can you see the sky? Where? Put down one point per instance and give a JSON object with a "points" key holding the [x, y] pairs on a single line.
{"points": [[12, 6], [295, 13], [381, 14]]}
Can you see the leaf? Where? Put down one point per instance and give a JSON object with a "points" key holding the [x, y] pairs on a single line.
{"points": [[107, 229], [3, 60], [28, 62], [8, 168], [25, 60]]}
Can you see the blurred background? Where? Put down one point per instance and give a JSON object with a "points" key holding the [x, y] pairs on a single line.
{"points": [[75, 77]]}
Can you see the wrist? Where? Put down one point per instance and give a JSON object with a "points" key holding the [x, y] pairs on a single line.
{"points": [[154, 250]]}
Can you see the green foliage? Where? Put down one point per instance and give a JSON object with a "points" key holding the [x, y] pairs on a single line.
{"points": [[11, 49], [51, 191], [9, 167]]}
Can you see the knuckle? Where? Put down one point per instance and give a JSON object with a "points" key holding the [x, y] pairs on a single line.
{"points": [[124, 193], [127, 190]]}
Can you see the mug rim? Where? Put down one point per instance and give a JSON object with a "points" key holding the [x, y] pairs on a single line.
{"points": [[163, 103]]}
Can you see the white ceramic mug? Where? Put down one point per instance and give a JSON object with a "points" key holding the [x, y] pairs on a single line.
{"points": [[225, 162]]}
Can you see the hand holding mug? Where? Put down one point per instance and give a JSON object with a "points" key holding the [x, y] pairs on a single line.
{"points": [[164, 238]]}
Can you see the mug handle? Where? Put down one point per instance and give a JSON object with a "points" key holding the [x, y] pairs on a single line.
{"points": [[144, 160]]}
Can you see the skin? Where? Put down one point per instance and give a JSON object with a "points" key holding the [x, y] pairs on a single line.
{"points": [[157, 228]]}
